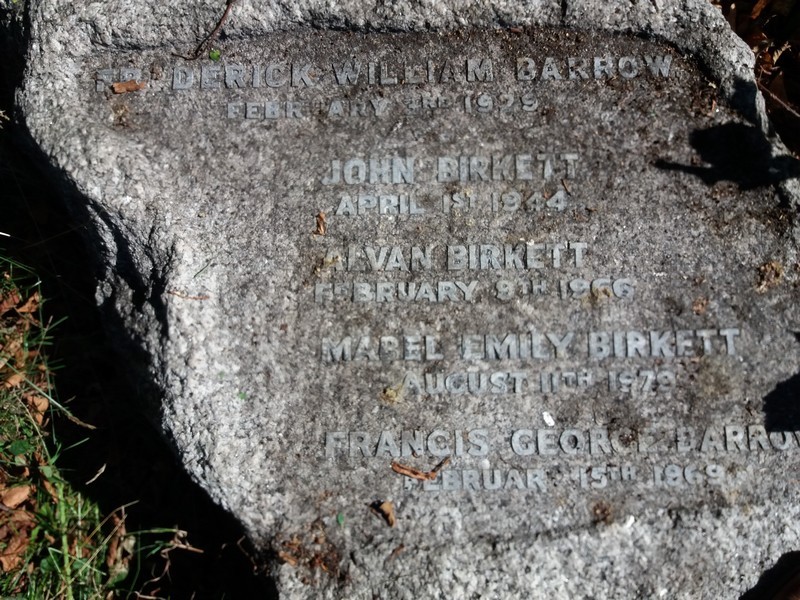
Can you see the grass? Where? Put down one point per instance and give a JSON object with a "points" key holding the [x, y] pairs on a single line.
{"points": [[54, 542]]}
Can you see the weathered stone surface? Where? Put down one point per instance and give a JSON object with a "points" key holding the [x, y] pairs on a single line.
{"points": [[534, 238]]}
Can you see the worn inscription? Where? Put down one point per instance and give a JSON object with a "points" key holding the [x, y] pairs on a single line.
{"points": [[549, 441], [694, 455], [390, 73], [476, 235], [534, 345], [284, 77]]}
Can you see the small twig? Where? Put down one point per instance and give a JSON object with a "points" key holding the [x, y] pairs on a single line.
{"points": [[73, 419], [758, 9], [100, 471], [125, 87], [187, 296], [210, 37], [246, 553], [769, 93], [417, 474], [187, 547]]}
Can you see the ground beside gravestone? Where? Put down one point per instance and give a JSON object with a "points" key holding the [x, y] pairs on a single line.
{"points": [[347, 258]]}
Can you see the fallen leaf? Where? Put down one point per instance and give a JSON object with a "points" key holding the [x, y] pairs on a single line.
{"points": [[390, 395], [15, 496], [9, 301], [38, 406], [385, 510], [50, 489], [12, 556], [14, 380], [322, 224], [11, 348], [700, 305], [758, 8], [770, 275], [31, 304], [22, 519], [115, 547], [124, 87]]}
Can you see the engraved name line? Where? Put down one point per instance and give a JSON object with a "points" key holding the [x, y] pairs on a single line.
{"points": [[533, 345], [357, 72], [448, 169], [570, 441], [523, 256]]}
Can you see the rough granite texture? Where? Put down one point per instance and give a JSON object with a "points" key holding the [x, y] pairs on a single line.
{"points": [[207, 225]]}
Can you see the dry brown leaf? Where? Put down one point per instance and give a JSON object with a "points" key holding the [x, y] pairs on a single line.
{"points": [[385, 510], [22, 519], [38, 406], [15, 496], [769, 275], [758, 8], [12, 347], [124, 87], [322, 224], [12, 556], [700, 305], [9, 301], [115, 555], [14, 380], [31, 304], [50, 489]]}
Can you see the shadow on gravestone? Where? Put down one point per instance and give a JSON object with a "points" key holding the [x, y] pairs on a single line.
{"points": [[782, 406], [781, 582], [736, 152], [138, 467]]}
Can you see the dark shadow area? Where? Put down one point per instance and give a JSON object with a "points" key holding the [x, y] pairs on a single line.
{"points": [[738, 153], [782, 406], [781, 582], [138, 467], [744, 99]]}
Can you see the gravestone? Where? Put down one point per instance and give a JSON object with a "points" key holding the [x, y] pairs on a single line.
{"points": [[455, 299]]}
